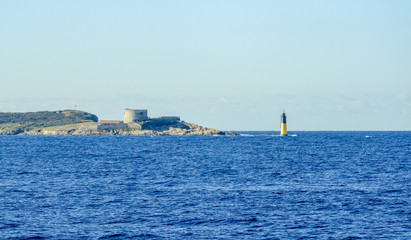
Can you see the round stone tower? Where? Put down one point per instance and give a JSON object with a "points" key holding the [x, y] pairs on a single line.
{"points": [[135, 115]]}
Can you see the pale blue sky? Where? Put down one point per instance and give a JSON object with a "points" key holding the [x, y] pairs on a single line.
{"points": [[230, 65]]}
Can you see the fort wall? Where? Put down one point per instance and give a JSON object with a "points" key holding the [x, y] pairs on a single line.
{"points": [[166, 119], [111, 126], [91, 128], [104, 126]]}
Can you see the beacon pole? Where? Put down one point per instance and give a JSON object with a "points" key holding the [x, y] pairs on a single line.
{"points": [[283, 125]]}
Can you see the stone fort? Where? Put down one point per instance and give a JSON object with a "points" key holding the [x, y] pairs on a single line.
{"points": [[131, 116]]}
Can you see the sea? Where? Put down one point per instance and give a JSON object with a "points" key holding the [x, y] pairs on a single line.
{"points": [[309, 185]]}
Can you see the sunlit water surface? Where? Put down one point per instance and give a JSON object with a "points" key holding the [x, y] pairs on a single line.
{"points": [[337, 185]]}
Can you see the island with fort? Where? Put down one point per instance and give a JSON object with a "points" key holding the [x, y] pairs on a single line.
{"points": [[136, 122]]}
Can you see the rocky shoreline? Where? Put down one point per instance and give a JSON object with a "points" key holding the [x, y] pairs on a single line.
{"points": [[40, 125], [193, 131]]}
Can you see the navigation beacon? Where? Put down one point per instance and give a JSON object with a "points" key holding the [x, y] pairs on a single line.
{"points": [[283, 125]]}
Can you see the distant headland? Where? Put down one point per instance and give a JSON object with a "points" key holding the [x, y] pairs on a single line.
{"points": [[75, 122]]}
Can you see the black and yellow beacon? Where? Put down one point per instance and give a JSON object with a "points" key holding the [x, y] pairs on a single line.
{"points": [[283, 125]]}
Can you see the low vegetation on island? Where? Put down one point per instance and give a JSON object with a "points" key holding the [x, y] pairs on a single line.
{"points": [[74, 122], [20, 123]]}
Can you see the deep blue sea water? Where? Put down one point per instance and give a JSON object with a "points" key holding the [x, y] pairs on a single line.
{"points": [[322, 185]]}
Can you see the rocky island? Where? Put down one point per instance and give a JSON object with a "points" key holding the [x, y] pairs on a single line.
{"points": [[75, 122]]}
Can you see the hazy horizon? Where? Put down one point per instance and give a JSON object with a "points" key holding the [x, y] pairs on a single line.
{"points": [[229, 65]]}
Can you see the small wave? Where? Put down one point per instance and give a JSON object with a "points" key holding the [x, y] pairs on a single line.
{"points": [[9, 225], [27, 172], [120, 221], [245, 220], [114, 236], [33, 238], [392, 191], [146, 235]]}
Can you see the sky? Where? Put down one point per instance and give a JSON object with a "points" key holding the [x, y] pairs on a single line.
{"points": [[229, 65]]}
